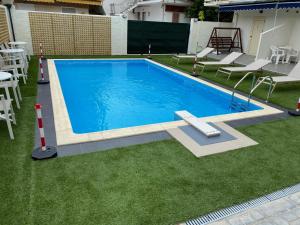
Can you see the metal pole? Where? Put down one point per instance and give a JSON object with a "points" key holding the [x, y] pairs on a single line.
{"points": [[276, 13], [11, 22]]}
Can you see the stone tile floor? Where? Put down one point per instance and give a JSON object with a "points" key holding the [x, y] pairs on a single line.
{"points": [[284, 211]]}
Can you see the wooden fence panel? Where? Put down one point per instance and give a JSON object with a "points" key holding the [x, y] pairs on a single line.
{"points": [[4, 32], [84, 39], [64, 34], [42, 32], [70, 34], [102, 35]]}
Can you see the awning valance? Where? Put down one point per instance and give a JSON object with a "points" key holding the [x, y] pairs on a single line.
{"points": [[259, 6]]}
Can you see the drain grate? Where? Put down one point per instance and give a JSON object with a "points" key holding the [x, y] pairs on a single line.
{"points": [[221, 214]]}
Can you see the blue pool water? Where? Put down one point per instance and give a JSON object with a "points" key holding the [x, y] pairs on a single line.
{"points": [[109, 94]]}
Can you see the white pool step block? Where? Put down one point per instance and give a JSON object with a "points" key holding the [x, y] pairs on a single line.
{"points": [[202, 126]]}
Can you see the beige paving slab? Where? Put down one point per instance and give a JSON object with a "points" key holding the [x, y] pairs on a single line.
{"points": [[240, 141]]}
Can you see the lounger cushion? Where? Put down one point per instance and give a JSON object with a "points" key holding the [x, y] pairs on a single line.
{"points": [[285, 79]]}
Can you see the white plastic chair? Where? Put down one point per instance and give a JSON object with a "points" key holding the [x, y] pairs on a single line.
{"points": [[17, 66], [277, 54], [292, 54], [7, 114], [14, 84]]}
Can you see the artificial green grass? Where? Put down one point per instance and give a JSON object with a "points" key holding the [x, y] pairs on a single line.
{"points": [[157, 184]]}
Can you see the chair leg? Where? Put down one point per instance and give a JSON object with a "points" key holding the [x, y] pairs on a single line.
{"points": [[13, 115], [19, 92], [16, 98], [229, 75], [24, 79], [10, 131], [277, 60]]}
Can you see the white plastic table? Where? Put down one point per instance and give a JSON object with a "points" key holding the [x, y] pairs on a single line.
{"points": [[17, 43], [15, 52], [5, 76], [12, 51], [286, 50]]}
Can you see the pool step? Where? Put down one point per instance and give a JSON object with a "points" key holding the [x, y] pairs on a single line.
{"points": [[241, 107]]}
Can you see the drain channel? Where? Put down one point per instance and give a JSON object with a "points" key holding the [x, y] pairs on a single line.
{"points": [[221, 214]]}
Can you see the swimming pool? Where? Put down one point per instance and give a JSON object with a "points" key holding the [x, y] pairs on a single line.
{"points": [[102, 95]]}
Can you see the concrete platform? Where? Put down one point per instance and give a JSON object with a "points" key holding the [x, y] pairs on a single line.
{"points": [[200, 145]]}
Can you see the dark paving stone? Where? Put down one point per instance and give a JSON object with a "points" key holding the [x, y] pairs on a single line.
{"points": [[201, 139]]}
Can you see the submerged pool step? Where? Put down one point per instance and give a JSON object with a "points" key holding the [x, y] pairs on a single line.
{"points": [[241, 107]]}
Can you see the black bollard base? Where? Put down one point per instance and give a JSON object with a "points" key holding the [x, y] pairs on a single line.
{"points": [[38, 154], [294, 112], [43, 81]]}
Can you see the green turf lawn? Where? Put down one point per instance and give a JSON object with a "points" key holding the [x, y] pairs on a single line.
{"points": [[157, 184]]}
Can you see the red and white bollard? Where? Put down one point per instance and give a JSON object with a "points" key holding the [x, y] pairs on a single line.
{"points": [[149, 51], [41, 51], [42, 80], [296, 112], [44, 151], [195, 66], [38, 109]]}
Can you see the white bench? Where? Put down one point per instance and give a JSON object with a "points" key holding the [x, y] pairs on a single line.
{"points": [[203, 127]]}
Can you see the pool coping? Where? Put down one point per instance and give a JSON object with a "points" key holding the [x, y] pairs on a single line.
{"points": [[66, 136]]}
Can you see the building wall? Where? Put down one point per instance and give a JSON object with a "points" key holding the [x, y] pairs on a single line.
{"points": [[156, 12], [244, 20], [4, 30], [49, 8], [22, 27], [200, 32], [118, 35], [106, 6]]}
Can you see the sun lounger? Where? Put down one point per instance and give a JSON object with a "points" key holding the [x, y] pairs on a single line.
{"points": [[252, 67], [229, 59], [203, 127], [292, 77], [200, 55]]}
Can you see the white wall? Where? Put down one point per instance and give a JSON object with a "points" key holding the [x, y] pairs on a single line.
{"points": [[118, 35], [200, 32], [244, 20], [156, 12], [119, 5], [295, 34], [22, 27], [49, 8], [275, 36]]}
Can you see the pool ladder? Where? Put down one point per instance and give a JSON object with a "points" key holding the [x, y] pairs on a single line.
{"points": [[254, 85]]}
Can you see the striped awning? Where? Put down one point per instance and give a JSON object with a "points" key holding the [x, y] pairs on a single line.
{"points": [[41, 1], [259, 6], [81, 2]]}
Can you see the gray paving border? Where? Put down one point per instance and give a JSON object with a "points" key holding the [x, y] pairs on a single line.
{"points": [[235, 209], [44, 98]]}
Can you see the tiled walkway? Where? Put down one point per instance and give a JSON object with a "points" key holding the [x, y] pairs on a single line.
{"points": [[284, 211]]}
